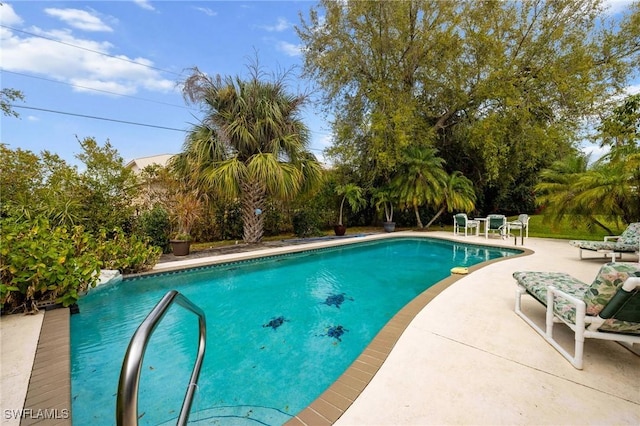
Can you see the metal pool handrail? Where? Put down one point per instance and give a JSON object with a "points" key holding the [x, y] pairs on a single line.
{"points": [[127, 403]]}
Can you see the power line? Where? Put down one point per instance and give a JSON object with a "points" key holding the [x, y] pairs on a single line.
{"points": [[97, 118], [89, 50], [94, 89], [112, 120]]}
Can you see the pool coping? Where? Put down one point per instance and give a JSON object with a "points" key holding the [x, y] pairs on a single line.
{"points": [[48, 398], [334, 401], [50, 382]]}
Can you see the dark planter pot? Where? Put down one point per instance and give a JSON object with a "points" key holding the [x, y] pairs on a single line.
{"points": [[389, 226], [339, 229], [180, 247]]}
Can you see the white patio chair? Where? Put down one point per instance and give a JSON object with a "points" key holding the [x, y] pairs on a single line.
{"points": [[461, 220]]}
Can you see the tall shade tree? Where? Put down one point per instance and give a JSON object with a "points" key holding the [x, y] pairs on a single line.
{"points": [[251, 144], [420, 180], [621, 128], [498, 87]]}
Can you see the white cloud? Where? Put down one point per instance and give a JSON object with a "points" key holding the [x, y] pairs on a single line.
{"points": [[289, 48], [80, 19], [105, 86], [324, 141], [282, 25], [69, 64], [634, 89], [145, 4], [616, 6], [595, 152], [33, 118], [8, 16], [206, 11]]}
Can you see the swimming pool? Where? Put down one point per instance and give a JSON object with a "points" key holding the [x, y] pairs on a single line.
{"points": [[280, 329]]}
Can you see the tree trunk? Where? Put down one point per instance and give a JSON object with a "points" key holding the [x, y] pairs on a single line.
{"points": [[601, 225], [253, 200], [435, 217], [415, 209]]}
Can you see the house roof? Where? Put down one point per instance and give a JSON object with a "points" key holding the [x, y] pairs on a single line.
{"points": [[138, 164]]}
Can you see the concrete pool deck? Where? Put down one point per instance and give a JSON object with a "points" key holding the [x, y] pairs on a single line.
{"points": [[465, 358]]}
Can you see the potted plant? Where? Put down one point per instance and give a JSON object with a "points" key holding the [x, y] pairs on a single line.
{"points": [[383, 199], [186, 210], [352, 194]]}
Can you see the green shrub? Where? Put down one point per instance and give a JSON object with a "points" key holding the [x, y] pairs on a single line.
{"points": [[128, 254], [228, 221], [39, 263], [272, 217], [306, 223], [156, 225]]}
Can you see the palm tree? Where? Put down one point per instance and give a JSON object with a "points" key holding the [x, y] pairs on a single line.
{"points": [[557, 191], [251, 144], [611, 187], [383, 199], [420, 179], [352, 194], [457, 194]]}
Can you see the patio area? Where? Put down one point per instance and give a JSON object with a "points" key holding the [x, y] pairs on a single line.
{"points": [[465, 358]]}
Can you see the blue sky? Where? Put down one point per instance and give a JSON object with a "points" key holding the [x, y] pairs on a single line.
{"points": [[166, 36], [147, 46]]}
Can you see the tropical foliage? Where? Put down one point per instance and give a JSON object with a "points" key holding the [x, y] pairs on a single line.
{"points": [[607, 188], [498, 88], [250, 146], [353, 195], [456, 194], [61, 226], [101, 196], [420, 179], [45, 263], [41, 262]]}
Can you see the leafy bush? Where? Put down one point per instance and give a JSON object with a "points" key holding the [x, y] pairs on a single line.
{"points": [[276, 219], [44, 263], [156, 225], [99, 196], [306, 223], [128, 254], [40, 262], [228, 220]]}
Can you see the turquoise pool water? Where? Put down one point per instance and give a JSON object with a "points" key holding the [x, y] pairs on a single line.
{"points": [[280, 330]]}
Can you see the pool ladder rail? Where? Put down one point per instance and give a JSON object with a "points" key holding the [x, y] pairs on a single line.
{"points": [[127, 403]]}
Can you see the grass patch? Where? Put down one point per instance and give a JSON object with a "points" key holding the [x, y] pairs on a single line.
{"points": [[565, 230], [537, 228]]}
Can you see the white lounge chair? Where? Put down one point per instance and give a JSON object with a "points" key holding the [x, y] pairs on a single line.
{"points": [[627, 242], [608, 308]]}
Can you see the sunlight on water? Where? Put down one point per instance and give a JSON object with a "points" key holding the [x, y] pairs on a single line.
{"points": [[279, 330]]}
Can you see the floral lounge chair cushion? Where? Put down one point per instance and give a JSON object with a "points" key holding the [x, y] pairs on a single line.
{"points": [[627, 242], [596, 295]]}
